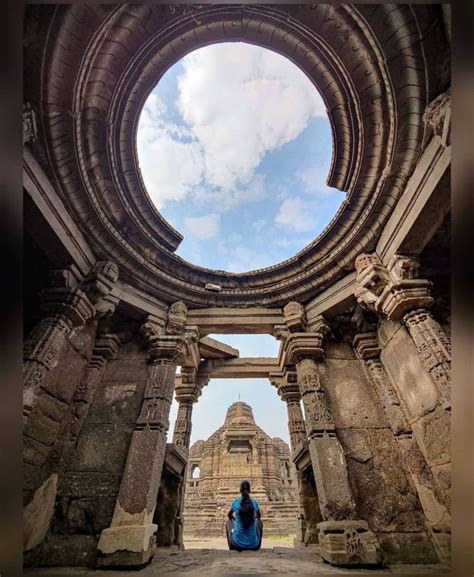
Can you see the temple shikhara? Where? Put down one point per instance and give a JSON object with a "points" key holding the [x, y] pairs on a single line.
{"points": [[361, 315], [236, 451]]}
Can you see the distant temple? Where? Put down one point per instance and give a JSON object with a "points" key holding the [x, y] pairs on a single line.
{"points": [[240, 450]]}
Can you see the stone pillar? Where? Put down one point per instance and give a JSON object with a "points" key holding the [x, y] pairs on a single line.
{"points": [[395, 292], [129, 541], [438, 519], [344, 540], [187, 391], [69, 304], [434, 349], [288, 390], [290, 393], [105, 348]]}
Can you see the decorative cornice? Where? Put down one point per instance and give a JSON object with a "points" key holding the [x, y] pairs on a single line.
{"points": [[89, 120]]}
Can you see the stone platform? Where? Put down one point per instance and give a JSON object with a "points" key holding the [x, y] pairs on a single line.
{"points": [[224, 563]]}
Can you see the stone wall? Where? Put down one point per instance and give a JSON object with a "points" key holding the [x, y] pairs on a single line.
{"points": [[88, 486], [384, 493]]}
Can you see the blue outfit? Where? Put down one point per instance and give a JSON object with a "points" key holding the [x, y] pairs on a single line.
{"points": [[244, 538]]}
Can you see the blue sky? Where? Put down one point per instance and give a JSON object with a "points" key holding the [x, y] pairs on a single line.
{"points": [[234, 146]]}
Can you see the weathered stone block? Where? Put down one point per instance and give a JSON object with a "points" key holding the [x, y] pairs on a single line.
{"points": [[413, 384], [102, 448], [64, 551], [41, 428], [126, 370], [434, 434], [352, 400], [89, 516], [341, 351], [38, 513], [52, 407], [64, 378], [88, 484], [116, 403], [406, 548], [34, 452]]}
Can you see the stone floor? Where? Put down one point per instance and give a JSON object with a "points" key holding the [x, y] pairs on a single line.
{"points": [[212, 558]]}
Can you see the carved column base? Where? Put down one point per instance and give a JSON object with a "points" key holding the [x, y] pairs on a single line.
{"points": [[128, 546], [347, 543]]}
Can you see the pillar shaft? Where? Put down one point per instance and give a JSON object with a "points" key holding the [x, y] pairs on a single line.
{"points": [[329, 464], [431, 498], [433, 347], [296, 425], [183, 425], [130, 539]]}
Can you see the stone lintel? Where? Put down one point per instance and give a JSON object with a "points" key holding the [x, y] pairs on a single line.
{"points": [[235, 320], [241, 368], [212, 349]]}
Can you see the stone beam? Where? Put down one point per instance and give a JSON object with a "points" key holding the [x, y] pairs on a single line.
{"points": [[243, 368], [334, 300], [38, 186], [213, 349], [227, 320], [422, 207]]}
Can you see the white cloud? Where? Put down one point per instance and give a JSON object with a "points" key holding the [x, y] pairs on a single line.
{"points": [[241, 102], [203, 226], [295, 213], [170, 167]]}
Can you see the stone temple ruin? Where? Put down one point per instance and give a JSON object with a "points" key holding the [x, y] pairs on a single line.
{"points": [[362, 314], [240, 450]]}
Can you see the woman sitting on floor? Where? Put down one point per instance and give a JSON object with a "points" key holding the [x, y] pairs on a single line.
{"points": [[244, 528]]}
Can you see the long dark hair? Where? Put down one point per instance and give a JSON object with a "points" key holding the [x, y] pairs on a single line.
{"points": [[246, 511]]}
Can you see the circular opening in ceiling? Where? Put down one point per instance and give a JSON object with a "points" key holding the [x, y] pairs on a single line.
{"points": [[234, 146]]}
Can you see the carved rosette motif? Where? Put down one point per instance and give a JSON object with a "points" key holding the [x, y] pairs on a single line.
{"points": [[433, 347]]}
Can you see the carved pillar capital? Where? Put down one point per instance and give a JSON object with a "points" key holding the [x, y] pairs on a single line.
{"points": [[391, 290], [295, 317]]}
